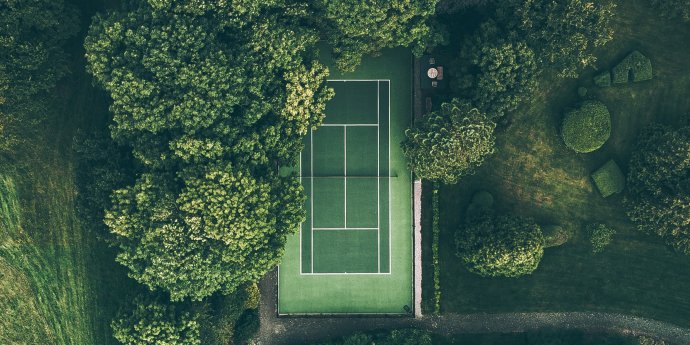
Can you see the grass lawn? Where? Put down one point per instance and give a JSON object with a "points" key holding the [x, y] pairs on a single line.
{"points": [[59, 284], [534, 174]]}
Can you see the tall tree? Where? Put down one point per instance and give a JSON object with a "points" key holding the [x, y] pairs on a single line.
{"points": [[563, 33], [210, 109], [357, 28], [496, 70], [32, 61], [659, 185], [450, 143]]}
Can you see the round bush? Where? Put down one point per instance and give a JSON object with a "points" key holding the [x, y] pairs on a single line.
{"points": [[587, 128]]}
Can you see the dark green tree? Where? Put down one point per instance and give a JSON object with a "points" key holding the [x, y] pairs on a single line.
{"points": [[562, 33], [32, 61], [358, 28], [450, 143], [673, 8], [407, 336], [659, 185], [155, 321], [505, 246], [497, 71]]}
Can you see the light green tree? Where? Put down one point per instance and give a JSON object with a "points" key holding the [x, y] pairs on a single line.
{"points": [[503, 246], [450, 143], [222, 229], [154, 321]]}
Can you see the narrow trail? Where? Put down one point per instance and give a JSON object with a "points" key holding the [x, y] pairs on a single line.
{"points": [[291, 330]]}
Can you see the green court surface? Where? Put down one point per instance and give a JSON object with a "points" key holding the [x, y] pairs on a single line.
{"points": [[353, 253]]}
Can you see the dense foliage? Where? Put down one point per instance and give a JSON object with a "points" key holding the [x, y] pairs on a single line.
{"points": [[504, 246], [32, 61], [405, 336], [659, 185], [609, 179], [497, 71], [634, 68], [210, 109], [450, 143], [600, 236], [358, 28], [563, 33], [587, 127], [673, 8], [155, 321]]}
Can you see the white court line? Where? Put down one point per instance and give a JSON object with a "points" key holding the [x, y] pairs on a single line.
{"points": [[390, 224], [345, 170], [369, 80], [346, 228], [345, 274], [311, 161], [301, 226], [350, 125], [378, 174]]}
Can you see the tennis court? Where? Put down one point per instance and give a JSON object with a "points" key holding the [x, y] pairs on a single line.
{"points": [[345, 173], [353, 254]]}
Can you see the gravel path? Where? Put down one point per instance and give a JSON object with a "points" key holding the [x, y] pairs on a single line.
{"points": [[287, 330]]}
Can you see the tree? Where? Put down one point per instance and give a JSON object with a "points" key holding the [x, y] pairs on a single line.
{"points": [[358, 28], [600, 236], [450, 143], [673, 8], [224, 228], [32, 61], [212, 98], [155, 321], [505, 246], [407, 336], [497, 71], [659, 185], [209, 89], [563, 33]]}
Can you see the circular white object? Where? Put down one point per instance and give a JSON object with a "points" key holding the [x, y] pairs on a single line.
{"points": [[432, 73]]}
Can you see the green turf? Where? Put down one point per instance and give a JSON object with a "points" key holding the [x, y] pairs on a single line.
{"points": [[328, 202], [533, 174], [334, 250], [356, 102], [351, 251]]}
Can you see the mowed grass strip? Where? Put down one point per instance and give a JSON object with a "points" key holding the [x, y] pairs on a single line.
{"points": [[534, 174]]}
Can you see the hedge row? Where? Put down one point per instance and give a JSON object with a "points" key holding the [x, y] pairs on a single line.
{"points": [[634, 68], [436, 229]]}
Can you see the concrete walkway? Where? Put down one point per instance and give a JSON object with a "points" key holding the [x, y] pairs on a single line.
{"points": [[291, 330]]}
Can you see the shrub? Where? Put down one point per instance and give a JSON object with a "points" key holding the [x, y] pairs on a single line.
{"points": [[609, 179], [634, 68], [555, 235], [600, 236], [247, 326], [603, 79], [450, 143], [407, 336], [156, 321], [482, 203], [586, 128], [582, 91], [658, 196], [650, 341], [505, 246], [436, 230]]}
